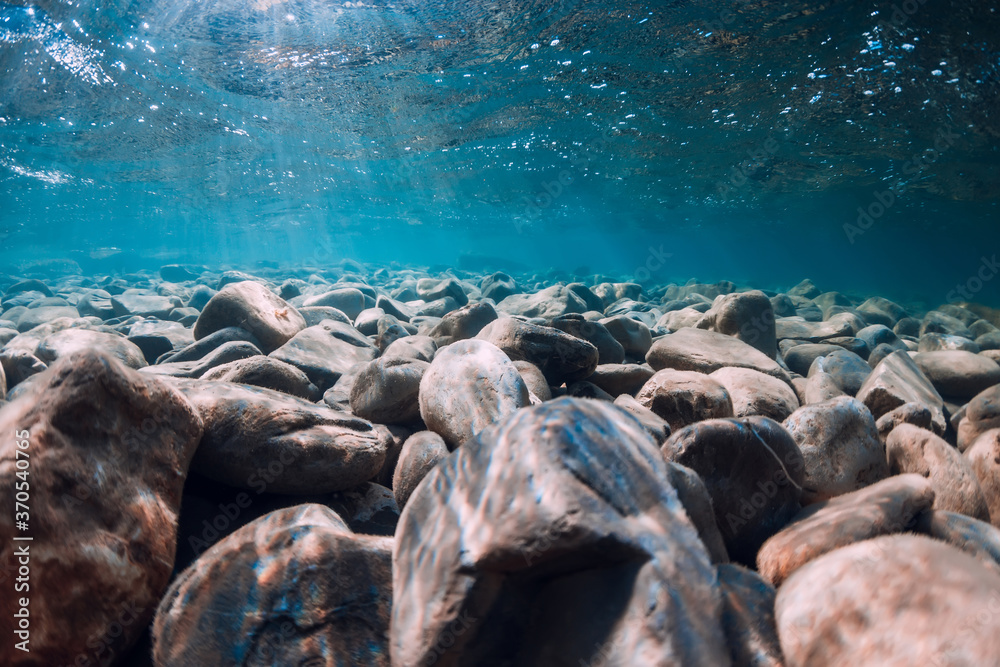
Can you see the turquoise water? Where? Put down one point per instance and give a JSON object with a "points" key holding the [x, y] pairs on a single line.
{"points": [[759, 142]]}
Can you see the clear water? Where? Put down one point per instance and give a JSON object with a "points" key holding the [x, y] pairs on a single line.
{"points": [[735, 139]]}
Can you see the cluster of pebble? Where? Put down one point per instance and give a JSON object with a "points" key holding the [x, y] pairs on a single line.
{"points": [[370, 466]]}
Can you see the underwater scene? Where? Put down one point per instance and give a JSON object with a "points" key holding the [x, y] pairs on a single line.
{"points": [[499, 333]]}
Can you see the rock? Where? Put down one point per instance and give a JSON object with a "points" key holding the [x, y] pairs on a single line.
{"points": [[534, 380], [981, 414], [470, 385], [679, 319], [958, 374], [618, 379], [144, 304], [908, 413], [387, 390], [847, 370], [498, 287], [584, 389], [295, 587], [801, 357], [200, 296], [898, 380], [3, 385], [877, 310], [655, 426], [430, 289], [338, 397], [747, 316], [421, 452], [548, 303], [697, 503], [851, 344], [840, 446], [976, 538], [97, 304], [937, 322], [199, 349], [265, 372], [708, 351], [880, 353], [609, 350], [29, 285], [908, 326], [754, 393], [930, 608], [176, 273], [257, 438], [634, 336], [886, 507], [109, 450], [910, 449], [412, 347], [753, 471], [879, 334], [437, 308], [253, 307], [594, 302], [748, 618], [984, 456], [801, 329], [820, 387], [159, 339], [33, 317], [934, 342], [560, 356], [224, 354], [685, 397], [367, 321], [19, 365], [326, 351], [477, 555], [66, 342], [805, 289], [463, 323], [347, 300], [989, 341]]}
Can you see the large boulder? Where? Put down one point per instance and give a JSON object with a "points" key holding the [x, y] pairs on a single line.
{"points": [[250, 306], [107, 451], [553, 538], [470, 385], [295, 587]]}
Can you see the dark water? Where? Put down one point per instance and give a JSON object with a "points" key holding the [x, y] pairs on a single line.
{"points": [[716, 140]]}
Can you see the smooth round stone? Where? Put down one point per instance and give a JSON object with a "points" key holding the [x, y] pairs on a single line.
{"points": [[846, 369], [934, 342], [934, 606], [685, 397], [412, 347], [981, 414], [326, 351], [387, 390], [294, 587], [66, 342], [469, 386], [821, 387], [560, 356], [547, 303], [898, 380], [144, 304], [430, 289], [263, 371], [708, 351], [747, 316], [748, 617], [908, 413], [634, 336], [753, 471], [33, 317], [421, 452], [936, 321], [984, 455], [618, 379], [886, 507], [534, 379], [957, 373], [976, 538], [609, 350], [462, 324], [801, 357], [910, 449], [697, 503], [840, 446], [756, 394], [253, 307]]}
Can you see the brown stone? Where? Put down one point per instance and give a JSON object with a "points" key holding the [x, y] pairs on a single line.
{"points": [[560, 356], [984, 455], [748, 618], [421, 452], [910, 449], [958, 374], [896, 601], [685, 397], [886, 507], [250, 306], [553, 539], [294, 587], [107, 452], [386, 390], [981, 414], [755, 394], [707, 351], [897, 380]]}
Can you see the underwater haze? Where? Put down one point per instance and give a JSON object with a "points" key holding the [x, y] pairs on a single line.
{"points": [[854, 143]]}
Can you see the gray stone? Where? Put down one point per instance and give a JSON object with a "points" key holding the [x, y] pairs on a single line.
{"points": [[262, 371], [897, 380], [958, 374], [847, 370], [347, 300], [421, 452], [548, 303], [464, 323], [708, 351], [144, 304], [253, 307], [560, 356], [981, 414], [748, 618], [325, 351], [387, 390], [618, 379]]}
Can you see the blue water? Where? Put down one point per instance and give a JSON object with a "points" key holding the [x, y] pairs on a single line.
{"points": [[737, 140]]}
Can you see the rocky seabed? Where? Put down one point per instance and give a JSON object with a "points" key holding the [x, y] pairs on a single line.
{"points": [[360, 465]]}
